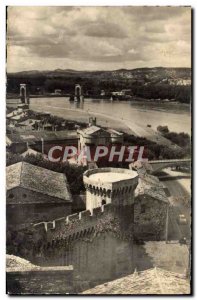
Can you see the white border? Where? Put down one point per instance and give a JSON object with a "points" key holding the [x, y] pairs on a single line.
{"points": [[3, 4]]}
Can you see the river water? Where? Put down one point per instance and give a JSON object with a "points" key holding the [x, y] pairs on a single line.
{"points": [[175, 115]]}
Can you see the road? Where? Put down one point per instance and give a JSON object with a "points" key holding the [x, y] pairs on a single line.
{"points": [[179, 187]]}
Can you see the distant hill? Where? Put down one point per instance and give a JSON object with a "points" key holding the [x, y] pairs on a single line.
{"points": [[155, 83], [147, 74]]}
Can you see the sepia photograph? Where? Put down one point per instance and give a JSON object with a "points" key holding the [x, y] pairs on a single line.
{"points": [[98, 150]]}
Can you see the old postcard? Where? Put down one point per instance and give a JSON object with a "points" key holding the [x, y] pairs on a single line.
{"points": [[98, 145]]}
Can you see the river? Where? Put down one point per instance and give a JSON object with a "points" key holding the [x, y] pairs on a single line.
{"points": [[118, 113]]}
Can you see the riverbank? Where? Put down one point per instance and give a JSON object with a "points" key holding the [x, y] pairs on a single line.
{"points": [[104, 120], [133, 99], [118, 114]]}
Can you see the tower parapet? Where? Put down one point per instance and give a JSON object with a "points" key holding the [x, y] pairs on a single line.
{"points": [[109, 185]]}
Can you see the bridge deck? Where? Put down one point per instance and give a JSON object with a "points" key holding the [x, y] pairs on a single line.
{"points": [[169, 161]]}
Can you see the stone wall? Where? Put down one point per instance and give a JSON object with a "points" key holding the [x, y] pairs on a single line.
{"points": [[20, 147], [99, 246], [119, 192], [79, 203], [53, 280], [48, 144], [28, 206], [149, 218], [101, 219]]}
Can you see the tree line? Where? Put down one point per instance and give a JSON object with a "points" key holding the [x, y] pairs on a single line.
{"points": [[92, 86]]}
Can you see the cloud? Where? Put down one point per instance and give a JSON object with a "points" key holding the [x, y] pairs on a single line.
{"points": [[98, 37], [108, 30]]}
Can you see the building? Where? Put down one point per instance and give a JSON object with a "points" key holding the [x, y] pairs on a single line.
{"points": [[151, 204], [150, 209], [119, 93], [15, 112], [58, 92], [41, 141], [35, 194], [16, 118], [153, 281], [29, 124], [30, 151], [94, 136]]}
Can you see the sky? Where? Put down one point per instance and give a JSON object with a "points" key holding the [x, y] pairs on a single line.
{"points": [[97, 38]]}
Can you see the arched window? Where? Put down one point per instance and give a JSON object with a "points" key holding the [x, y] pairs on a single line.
{"points": [[103, 202], [24, 195], [11, 196]]}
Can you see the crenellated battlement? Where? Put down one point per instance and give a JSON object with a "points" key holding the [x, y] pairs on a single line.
{"points": [[73, 224], [79, 225]]}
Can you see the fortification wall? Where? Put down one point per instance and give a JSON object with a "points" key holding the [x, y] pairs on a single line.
{"points": [[81, 224], [99, 246]]}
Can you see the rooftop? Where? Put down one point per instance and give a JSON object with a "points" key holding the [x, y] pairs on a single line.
{"points": [[18, 264], [34, 178], [29, 122], [18, 117], [107, 132], [114, 132], [31, 152], [152, 281], [14, 262], [110, 177], [92, 130], [34, 136]]}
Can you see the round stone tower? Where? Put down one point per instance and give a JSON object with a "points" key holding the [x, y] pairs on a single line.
{"points": [[109, 185]]}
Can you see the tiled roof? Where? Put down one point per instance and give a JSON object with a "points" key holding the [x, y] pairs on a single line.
{"points": [[41, 180], [18, 117], [29, 122], [92, 129], [149, 282], [114, 132], [16, 262], [34, 136], [30, 152]]}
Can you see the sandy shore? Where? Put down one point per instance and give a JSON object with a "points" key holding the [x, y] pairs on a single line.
{"points": [[81, 115]]}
